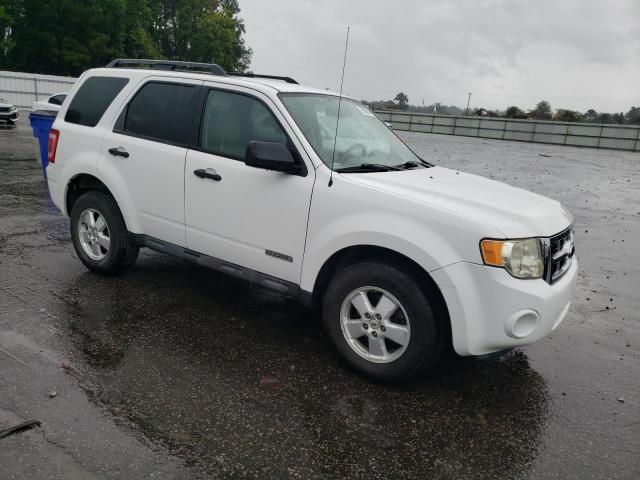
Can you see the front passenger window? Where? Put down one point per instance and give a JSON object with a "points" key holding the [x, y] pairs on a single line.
{"points": [[232, 120]]}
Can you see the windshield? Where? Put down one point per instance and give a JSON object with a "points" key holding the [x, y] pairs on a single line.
{"points": [[363, 139]]}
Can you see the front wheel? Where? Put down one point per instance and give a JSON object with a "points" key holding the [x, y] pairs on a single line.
{"points": [[381, 322]]}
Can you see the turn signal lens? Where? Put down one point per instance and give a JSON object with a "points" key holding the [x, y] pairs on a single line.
{"points": [[492, 252], [521, 258]]}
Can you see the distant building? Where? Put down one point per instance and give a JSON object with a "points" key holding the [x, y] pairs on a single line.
{"points": [[483, 112]]}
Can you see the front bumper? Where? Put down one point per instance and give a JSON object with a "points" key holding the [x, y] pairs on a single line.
{"points": [[491, 311], [9, 118]]}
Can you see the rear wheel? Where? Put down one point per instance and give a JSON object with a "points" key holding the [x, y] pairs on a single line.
{"points": [[99, 234], [381, 322]]}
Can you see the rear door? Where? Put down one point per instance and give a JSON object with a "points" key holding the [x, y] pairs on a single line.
{"points": [[146, 150], [247, 216]]}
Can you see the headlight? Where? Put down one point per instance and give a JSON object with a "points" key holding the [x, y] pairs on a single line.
{"points": [[521, 258]]}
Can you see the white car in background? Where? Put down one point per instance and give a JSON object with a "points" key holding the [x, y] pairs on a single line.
{"points": [[8, 113], [51, 104]]}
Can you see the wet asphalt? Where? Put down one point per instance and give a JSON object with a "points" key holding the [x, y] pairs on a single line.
{"points": [[174, 371]]}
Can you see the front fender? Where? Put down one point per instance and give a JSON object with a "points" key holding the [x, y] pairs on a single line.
{"points": [[349, 213], [340, 234]]}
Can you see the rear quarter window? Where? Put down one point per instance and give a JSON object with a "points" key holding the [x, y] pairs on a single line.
{"points": [[92, 99]]}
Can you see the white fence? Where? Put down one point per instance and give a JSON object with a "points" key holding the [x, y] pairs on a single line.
{"points": [[621, 137], [22, 89]]}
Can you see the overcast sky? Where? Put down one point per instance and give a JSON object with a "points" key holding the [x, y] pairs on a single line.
{"points": [[576, 54]]}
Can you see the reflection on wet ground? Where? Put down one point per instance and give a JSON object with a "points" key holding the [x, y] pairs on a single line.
{"points": [[176, 371]]}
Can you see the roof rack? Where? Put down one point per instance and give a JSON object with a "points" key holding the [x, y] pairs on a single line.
{"points": [[168, 65], [272, 77]]}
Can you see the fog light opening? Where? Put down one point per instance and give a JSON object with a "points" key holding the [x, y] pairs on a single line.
{"points": [[522, 323]]}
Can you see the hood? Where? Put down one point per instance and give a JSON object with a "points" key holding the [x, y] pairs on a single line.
{"points": [[515, 212], [5, 105]]}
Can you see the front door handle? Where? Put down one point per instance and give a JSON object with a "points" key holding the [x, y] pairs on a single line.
{"points": [[208, 173], [119, 152]]}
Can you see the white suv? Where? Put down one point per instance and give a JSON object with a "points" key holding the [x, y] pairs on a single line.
{"points": [[260, 178]]}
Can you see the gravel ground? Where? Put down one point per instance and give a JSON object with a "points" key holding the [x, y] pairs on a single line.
{"points": [[173, 371]]}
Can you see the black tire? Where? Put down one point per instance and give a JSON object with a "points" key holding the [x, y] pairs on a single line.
{"points": [[122, 252], [132, 253], [426, 339]]}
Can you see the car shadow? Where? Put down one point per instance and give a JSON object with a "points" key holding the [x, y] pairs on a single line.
{"points": [[240, 380]]}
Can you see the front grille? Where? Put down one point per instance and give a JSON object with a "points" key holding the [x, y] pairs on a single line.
{"points": [[5, 109], [559, 255]]}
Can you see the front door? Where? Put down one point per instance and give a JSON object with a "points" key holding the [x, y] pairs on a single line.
{"points": [[244, 215]]}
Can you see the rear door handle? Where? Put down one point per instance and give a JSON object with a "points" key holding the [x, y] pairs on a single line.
{"points": [[208, 173], [119, 152]]}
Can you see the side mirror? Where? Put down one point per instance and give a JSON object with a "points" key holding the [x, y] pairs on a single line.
{"points": [[270, 156]]}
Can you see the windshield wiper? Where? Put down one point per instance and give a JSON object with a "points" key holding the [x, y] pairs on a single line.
{"points": [[408, 165], [414, 164], [372, 167]]}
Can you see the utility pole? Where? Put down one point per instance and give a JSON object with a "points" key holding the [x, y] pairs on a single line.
{"points": [[468, 100]]}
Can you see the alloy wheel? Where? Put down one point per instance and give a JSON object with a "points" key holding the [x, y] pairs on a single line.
{"points": [[375, 324], [93, 233]]}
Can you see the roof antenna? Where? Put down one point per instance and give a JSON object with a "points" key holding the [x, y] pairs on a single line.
{"points": [[335, 139]]}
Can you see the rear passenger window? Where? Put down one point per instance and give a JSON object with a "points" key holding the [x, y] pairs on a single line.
{"points": [[232, 120], [92, 99], [161, 111]]}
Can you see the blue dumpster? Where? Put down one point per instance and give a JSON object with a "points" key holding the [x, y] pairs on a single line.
{"points": [[41, 122]]}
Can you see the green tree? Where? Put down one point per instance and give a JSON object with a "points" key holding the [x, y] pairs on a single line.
{"points": [[136, 37], [402, 100], [542, 111], [218, 38], [203, 30], [67, 37], [633, 116], [515, 112], [605, 118], [5, 30], [591, 116], [563, 115], [618, 118]]}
